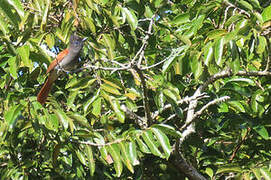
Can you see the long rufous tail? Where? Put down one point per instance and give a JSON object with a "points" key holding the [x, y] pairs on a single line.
{"points": [[45, 90]]}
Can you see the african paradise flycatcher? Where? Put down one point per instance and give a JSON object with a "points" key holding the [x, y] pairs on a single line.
{"points": [[66, 60]]}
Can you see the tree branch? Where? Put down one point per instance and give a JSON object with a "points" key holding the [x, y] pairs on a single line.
{"points": [[198, 113], [183, 166], [145, 95], [189, 128]]}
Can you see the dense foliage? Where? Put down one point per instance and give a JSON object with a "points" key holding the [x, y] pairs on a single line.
{"points": [[166, 90]]}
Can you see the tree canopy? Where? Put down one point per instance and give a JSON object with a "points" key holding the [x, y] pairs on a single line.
{"points": [[165, 90]]}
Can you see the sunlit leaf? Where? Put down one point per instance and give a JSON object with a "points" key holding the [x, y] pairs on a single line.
{"points": [[115, 153], [91, 161], [163, 140], [131, 18], [218, 51]]}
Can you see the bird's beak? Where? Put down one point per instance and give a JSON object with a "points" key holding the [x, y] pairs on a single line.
{"points": [[84, 39]]}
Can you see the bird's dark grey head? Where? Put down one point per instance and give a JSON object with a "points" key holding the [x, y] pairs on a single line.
{"points": [[76, 43]]}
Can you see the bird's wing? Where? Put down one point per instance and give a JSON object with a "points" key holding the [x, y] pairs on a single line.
{"points": [[58, 59]]}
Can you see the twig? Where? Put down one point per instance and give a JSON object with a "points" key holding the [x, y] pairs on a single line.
{"points": [[240, 10], [184, 100], [228, 73], [106, 68], [198, 113], [140, 52], [145, 95], [268, 57], [239, 145], [142, 123], [95, 144], [189, 128]]}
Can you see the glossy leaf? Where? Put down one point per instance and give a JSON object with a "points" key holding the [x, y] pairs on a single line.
{"points": [[168, 130], [261, 130], [163, 141], [91, 161], [115, 153], [125, 157], [170, 60], [143, 147], [18, 6], [12, 114], [218, 51], [131, 18], [116, 107], [208, 53], [266, 173], [149, 140], [181, 18], [132, 152], [266, 14], [24, 52]]}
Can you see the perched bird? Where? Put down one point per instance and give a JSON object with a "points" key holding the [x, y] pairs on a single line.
{"points": [[66, 60]]}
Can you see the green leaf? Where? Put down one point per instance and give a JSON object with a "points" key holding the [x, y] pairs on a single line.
{"points": [[148, 12], [235, 66], [80, 120], [266, 173], [89, 102], [12, 114], [64, 119], [115, 153], [50, 40], [257, 173], [237, 106], [172, 57], [110, 89], [132, 153], [234, 19], [45, 11], [262, 44], [91, 161], [255, 3], [17, 6], [81, 157], [196, 65], [71, 98], [170, 94], [168, 130], [266, 14], [218, 49], [210, 172], [217, 33], [229, 168], [125, 157], [24, 52], [12, 62], [261, 130], [255, 105], [80, 84], [163, 141], [142, 146], [3, 25], [208, 53], [243, 80], [6, 9], [116, 107], [181, 18], [110, 43], [149, 140], [131, 18], [244, 4], [97, 106]]}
